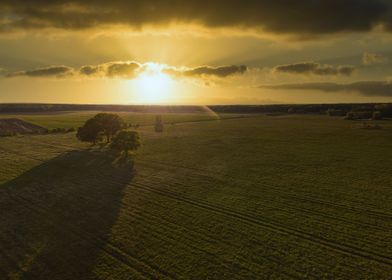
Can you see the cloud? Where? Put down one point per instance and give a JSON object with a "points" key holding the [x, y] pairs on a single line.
{"points": [[129, 70], [315, 68], [51, 71], [90, 70], [367, 88], [373, 58], [205, 71], [122, 69], [279, 16], [118, 69]]}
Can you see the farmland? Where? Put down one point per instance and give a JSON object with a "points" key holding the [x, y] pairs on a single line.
{"points": [[236, 197], [76, 119]]}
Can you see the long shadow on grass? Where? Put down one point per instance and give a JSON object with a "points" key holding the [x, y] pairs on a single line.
{"points": [[55, 219]]}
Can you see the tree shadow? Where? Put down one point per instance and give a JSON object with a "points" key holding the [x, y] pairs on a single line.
{"points": [[56, 218]]}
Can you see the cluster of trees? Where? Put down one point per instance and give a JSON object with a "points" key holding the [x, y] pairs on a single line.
{"points": [[364, 112], [362, 115], [111, 128], [100, 126], [378, 112]]}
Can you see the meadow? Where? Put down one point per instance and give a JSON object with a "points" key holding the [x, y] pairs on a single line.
{"points": [[230, 197], [75, 119]]}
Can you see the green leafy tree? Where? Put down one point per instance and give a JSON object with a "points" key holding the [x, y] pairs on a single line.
{"points": [[125, 141], [102, 124], [89, 132], [109, 124]]}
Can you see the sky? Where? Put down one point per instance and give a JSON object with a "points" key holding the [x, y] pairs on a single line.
{"points": [[195, 52]]}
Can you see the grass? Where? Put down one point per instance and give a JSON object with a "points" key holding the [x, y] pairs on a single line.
{"points": [[247, 198], [76, 119]]}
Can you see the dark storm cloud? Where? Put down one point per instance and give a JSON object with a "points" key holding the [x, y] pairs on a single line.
{"points": [[315, 68], [367, 88], [222, 71], [52, 71], [278, 16]]}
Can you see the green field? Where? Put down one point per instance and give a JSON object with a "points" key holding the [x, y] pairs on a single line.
{"points": [[77, 119], [253, 197]]}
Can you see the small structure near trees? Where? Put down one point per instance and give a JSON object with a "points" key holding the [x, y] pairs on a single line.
{"points": [[158, 124]]}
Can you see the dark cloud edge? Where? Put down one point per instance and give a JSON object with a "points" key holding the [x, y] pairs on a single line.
{"points": [[126, 70], [278, 17], [315, 68]]}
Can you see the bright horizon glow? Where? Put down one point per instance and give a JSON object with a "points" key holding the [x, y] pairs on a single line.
{"points": [[152, 86]]}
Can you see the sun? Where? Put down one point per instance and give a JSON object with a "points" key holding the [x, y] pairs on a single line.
{"points": [[154, 86]]}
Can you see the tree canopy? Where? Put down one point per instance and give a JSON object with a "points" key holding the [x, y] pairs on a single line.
{"points": [[109, 123], [89, 132], [125, 141], [102, 124]]}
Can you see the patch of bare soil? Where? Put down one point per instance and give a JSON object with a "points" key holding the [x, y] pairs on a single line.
{"points": [[10, 127]]}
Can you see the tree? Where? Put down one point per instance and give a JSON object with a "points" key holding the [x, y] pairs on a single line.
{"points": [[385, 109], [109, 124], [102, 124], [125, 141], [89, 132]]}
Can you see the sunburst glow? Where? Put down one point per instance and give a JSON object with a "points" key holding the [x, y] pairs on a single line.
{"points": [[153, 86]]}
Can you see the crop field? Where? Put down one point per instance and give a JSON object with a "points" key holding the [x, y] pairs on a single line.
{"points": [[246, 197], [76, 119]]}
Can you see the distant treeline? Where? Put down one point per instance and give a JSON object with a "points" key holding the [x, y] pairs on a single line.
{"points": [[349, 110], [291, 108]]}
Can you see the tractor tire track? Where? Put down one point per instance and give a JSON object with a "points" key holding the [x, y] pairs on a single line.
{"points": [[204, 173], [378, 256], [112, 250], [274, 226]]}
